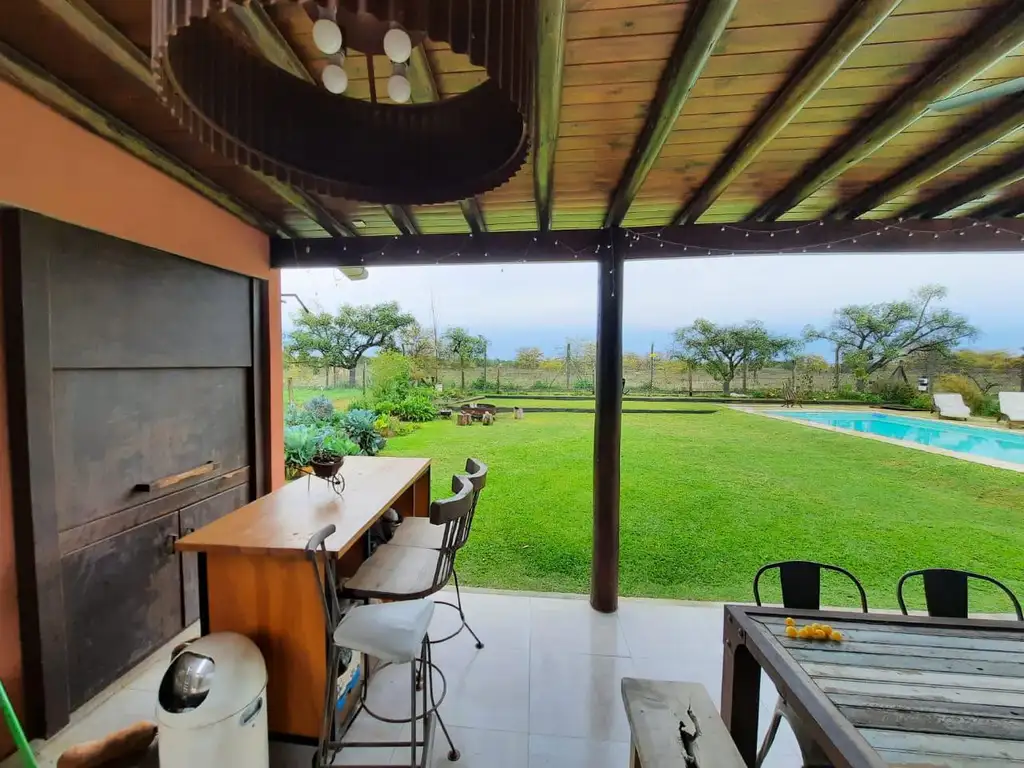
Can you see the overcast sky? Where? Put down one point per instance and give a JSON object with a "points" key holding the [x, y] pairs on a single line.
{"points": [[543, 304]]}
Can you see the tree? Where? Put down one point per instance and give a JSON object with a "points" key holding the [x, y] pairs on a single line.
{"points": [[463, 348], [723, 350], [987, 370], [873, 336], [322, 339], [416, 344], [529, 358]]}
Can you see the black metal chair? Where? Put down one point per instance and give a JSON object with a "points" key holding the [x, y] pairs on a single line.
{"points": [[801, 589], [945, 592], [425, 533]]}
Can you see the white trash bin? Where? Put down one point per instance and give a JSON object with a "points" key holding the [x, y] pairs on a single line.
{"points": [[212, 705]]}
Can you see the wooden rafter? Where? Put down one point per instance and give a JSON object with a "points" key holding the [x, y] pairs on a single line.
{"points": [[992, 39], [844, 37], [1001, 209], [1001, 174], [697, 39], [41, 85], [403, 219], [104, 37], [425, 90], [550, 66], [474, 215], [691, 241], [966, 141]]}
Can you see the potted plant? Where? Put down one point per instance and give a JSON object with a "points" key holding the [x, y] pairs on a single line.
{"points": [[300, 445], [330, 455]]}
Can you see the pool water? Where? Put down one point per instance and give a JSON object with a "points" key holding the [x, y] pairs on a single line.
{"points": [[960, 438]]}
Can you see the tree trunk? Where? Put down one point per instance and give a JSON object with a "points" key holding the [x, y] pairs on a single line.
{"points": [[690, 383], [463, 372], [327, 378], [860, 384], [744, 377], [352, 377], [726, 386]]}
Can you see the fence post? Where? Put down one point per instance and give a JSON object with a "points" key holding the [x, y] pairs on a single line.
{"points": [[498, 391], [568, 359], [651, 383], [744, 377], [485, 364], [291, 398], [837, 368], [364, 377]]}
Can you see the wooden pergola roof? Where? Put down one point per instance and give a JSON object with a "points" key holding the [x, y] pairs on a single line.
{"points": [[649, 112]]}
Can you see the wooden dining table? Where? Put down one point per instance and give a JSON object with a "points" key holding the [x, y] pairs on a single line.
{"points": [[896, 691], [255, 579]]}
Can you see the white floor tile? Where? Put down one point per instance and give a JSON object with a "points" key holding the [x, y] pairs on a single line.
{"points": [[119, 711], [563, 752], [578, 695], [660, 630], [572, 625], [491, 693], [479, 749]]}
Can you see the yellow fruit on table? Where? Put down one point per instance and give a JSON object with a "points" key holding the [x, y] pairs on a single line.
{"points": [[791, 631], [790, 622], [826, 629], [804, 632], [837, 636], [819, 634]]}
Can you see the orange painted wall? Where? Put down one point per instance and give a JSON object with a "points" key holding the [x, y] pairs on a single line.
{"points": [[50, 165]]}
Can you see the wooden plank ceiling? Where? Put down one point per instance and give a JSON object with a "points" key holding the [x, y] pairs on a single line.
{"points": [[652, 112]]}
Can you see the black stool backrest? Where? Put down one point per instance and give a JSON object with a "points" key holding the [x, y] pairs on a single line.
{"points": [[452, 513], [945, 592], [326, 579], [801, 583], [476, 473]]}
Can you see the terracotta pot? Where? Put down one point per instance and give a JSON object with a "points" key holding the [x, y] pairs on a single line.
{"points": [[327, 469]]}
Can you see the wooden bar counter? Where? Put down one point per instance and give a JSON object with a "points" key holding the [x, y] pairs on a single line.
{"points": [[255, 580]]}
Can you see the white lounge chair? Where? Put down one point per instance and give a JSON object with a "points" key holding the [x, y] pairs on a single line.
{"points": [[950, 405], [1011, 408]]}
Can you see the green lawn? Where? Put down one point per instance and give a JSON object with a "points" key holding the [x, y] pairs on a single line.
{"points": [[627, 405], [707, 499], [340, 396]]}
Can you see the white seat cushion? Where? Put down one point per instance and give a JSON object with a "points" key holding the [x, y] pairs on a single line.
{"points": [[418, 532], [389, 631]]}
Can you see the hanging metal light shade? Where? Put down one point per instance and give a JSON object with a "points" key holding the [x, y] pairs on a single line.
{"points": [[261, 116]]}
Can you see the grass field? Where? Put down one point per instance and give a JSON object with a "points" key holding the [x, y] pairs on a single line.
{"points": [[707, 499], [627, 405], [340, 396]]}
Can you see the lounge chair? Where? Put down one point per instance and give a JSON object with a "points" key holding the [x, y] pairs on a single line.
{"points": [[950, 405], [1011, 408]]}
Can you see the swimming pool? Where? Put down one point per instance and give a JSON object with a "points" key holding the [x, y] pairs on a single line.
{"points": [[959, 438]]}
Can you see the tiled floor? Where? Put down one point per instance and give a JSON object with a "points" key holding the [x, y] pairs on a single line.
{"points": [[544, 692]]}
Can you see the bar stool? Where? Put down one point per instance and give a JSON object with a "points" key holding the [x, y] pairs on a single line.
{"points": [[395, 633], [422, 532]]}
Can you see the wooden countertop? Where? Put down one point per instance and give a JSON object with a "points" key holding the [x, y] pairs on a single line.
{"points": [[283, 521]]}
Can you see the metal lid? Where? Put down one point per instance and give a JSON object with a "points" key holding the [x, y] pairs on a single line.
{"points": [[187, 683]]}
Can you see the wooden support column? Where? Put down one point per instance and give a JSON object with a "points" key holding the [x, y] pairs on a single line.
{"points": [[604, 572]]}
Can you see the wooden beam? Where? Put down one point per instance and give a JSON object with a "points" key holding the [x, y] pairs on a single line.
{"points": [[691, 241], [474, 215], [991, 179], [844, 37], [424, 91], [41, 85], [604, 566], [1003, 208], [403, 219], [550, 64], [264, 34], [693, 47], [988, 42], [967, 141]]}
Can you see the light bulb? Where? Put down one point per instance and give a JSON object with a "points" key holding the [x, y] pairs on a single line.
{"points": [[335, 78], [327, 36], [397, 45], [399, 90]]}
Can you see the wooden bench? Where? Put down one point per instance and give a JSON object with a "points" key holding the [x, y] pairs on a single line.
{"points": [[676, 725]]}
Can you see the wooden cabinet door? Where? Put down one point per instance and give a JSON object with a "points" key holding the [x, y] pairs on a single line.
{"points": [[193, 518], [122, 598]]}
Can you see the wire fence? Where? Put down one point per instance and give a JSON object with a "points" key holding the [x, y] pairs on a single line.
{"points": [[655, 376]]}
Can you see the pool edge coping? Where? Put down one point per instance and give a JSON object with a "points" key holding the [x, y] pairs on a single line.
{"points": [[983, 460]]}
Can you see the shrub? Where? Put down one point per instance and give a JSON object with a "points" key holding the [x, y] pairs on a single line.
{"points": [[582, 384], [385, 408], [967, 389], [898, 392], [391, 373], [362, 404], [359, 426], [416, 408], [542, 385], [319, 409], [295, 415]]}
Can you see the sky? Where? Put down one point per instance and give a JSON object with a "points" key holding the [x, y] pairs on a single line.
{"points": [[542, 305]]}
